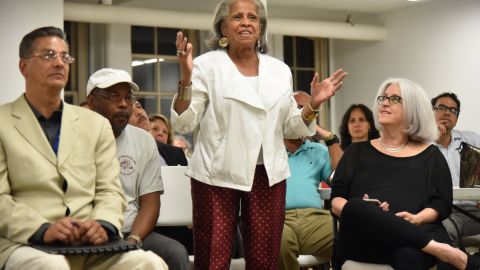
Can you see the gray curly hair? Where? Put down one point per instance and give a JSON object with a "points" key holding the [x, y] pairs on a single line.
{"points": [[223, 10]]}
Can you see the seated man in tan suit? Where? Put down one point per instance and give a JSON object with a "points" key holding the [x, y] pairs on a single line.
{"points": [[58, 170]]}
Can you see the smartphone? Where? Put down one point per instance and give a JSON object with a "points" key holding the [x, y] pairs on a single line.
{"points": [[374, 201]]}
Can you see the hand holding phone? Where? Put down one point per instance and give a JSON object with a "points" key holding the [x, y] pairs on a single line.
{"points": [[374, 201]]}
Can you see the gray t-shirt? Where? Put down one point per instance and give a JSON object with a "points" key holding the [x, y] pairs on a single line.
{"points": [[139, 161]]}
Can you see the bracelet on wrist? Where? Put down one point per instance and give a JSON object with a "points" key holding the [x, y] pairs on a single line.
{"points": [[332, 139], [184, 92], [309, 118], [311, 108]]}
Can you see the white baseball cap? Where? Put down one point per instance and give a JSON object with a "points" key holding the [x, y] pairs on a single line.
{"points": [[107, 77]]}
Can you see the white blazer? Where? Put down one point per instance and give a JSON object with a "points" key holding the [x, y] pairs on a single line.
{"points": [[232, 121]]}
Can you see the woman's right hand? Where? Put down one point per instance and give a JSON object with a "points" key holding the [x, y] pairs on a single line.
{"points": [[185, 59]]}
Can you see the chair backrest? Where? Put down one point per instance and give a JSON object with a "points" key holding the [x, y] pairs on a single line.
{"points": [[176, 202]]}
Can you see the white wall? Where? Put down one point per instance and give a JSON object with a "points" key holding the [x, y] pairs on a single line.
{"points": [[17, 18], [436, 44]]}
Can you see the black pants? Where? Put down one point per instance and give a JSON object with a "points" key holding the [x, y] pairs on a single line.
{"points": [[368, 234]]}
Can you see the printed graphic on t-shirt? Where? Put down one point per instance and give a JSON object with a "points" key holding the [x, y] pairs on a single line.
{"points": [[127, 165]]}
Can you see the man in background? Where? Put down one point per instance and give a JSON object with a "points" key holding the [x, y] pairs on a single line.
{"points": [[308, 227], [446, 107], [169, 156]]}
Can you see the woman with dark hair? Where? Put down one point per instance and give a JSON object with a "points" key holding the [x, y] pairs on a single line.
{"points": [[357, 126]]}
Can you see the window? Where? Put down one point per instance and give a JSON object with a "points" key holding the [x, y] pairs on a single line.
{"points": [[299, 54], [305, 56], [155, 66], [71, 89]]}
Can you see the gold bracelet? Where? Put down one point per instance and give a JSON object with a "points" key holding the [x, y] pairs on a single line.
{"points": [[310, 117], [184, 92], [317, 110]]}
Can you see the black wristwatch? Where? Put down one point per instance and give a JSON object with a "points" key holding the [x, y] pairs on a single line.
{"points": [[332, 139]]}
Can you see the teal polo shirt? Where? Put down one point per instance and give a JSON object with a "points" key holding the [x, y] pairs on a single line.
{"points": [[309, 165]]}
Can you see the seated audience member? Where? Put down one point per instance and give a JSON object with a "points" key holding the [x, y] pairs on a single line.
{"points": [[357, 126], [172, 156], [182, 142], [58, 170], [139, 117], [411, 182], [446, 107], [109, 93], [163, 134], [161, 128], [307, 228]]}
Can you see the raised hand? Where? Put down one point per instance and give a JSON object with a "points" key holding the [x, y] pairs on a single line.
{"points": [[321, 91], [185, 59]]}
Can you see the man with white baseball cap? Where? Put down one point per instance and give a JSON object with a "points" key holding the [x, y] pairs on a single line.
{"points": [[107, 77], [110, 93]]}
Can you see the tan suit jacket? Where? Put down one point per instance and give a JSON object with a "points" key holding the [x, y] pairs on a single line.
{"points": [[32, 176]]}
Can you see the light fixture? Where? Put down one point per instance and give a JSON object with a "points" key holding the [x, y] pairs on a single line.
{"points": [[149, 61], [137, 63]]}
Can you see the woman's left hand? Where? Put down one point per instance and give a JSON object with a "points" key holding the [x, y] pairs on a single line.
{"points": [[321, 91], [414, 219]]}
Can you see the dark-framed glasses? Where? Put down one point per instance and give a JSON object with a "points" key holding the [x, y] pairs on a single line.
{"points": [[52, 55], [444, 108], [391, 99], [115, 97]]}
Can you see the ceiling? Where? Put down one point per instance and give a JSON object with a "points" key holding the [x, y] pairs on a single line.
{"points": [[306, 9]]}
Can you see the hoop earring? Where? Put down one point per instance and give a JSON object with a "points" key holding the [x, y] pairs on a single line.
{"points": [[223, 42]]}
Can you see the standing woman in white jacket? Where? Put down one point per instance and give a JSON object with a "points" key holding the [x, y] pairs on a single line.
{"points": [[238, 102]]}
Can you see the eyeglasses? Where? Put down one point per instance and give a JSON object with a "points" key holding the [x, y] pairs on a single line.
{"points": [[115, 97], [443, 108], [51, 56], [391, 99]]}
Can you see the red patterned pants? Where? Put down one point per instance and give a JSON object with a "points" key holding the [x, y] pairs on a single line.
{"points": [[215, 214]]}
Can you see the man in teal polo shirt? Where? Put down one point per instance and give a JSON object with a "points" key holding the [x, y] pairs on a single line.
{"points": [[308, 228]]}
